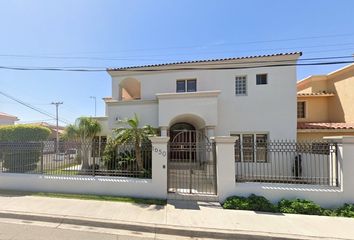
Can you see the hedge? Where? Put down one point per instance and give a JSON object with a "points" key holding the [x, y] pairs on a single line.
{"points": [[24, 132], [20, 147], [295, 206]]}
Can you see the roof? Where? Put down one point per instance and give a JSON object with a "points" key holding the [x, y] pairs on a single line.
{"points": [[6, 115], [205, 61], [324, 77], [332, 126], [48, 125], [318, 94]]}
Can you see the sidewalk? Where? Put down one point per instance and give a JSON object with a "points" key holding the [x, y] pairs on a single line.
{"points": [[182, 218]]}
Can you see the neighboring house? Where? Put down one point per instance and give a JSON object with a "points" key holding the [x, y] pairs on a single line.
{"points": [[249, 97], [7, 119], [52, 128], [325, 105]]}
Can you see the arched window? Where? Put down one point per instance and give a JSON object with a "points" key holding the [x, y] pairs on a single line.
{"points": [[129, 89]]}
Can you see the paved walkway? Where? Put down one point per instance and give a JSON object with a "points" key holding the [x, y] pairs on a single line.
{"points": [[186, 218]]}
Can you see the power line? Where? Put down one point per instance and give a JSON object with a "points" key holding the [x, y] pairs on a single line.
{"points": [[173, 69], [141, 58], [33, 107], [229, 44]]}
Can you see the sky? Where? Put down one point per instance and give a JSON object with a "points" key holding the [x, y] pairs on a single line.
{"points": [[115, 33]]}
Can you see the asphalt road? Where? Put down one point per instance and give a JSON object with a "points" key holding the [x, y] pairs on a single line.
{"points": [[29, 231]]}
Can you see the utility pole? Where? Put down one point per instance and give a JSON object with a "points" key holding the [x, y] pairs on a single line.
{"points": [[57, 119], [94, 98]]}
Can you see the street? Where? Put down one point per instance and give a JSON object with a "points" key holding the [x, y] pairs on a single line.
{"points": [[24, 230]]}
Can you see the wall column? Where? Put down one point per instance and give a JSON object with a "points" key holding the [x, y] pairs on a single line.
{"points": [[159, 164], [225, 166], [210, 131], [163, 130]]}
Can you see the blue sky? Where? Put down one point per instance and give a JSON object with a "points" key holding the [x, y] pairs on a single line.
{"points": [[101, 33]]}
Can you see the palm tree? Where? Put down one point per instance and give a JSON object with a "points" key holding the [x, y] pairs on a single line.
{"points": [[134, 134], [83, 130]]}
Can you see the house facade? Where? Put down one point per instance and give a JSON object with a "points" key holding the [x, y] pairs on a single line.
{"points": [[325, 105], [248, 97], [7, 119]]}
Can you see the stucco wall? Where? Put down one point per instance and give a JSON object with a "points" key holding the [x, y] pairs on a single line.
{"points": [[147, 112], [316, 109], [7, 121], [341, 106]]}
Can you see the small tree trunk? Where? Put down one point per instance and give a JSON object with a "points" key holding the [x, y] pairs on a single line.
{"points": [[139, 159], [85, 155]]}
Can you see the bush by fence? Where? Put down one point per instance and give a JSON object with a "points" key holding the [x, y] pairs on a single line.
{"points": [[294, 206], [19, 147]]}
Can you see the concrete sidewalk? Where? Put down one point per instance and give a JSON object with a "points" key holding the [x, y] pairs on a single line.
{"points": [[178, 218]]}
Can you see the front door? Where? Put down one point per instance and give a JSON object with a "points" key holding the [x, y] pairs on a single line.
{"points": [[191, 163]]}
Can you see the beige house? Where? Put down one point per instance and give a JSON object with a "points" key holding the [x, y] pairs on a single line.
{"points": [[325, 105], [7, 119]]}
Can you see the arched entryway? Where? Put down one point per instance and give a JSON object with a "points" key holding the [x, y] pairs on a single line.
{"points": [[191, 163]]}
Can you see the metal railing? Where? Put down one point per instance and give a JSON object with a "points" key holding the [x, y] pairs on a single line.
{"points": [[287, 162], [94, 158]]}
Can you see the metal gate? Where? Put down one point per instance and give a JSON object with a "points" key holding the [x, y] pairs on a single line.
{"points": [[191, 163]]}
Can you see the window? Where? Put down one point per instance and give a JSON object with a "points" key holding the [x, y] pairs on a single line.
{"points": [[301, 109], [251, 147], [241, 86], [186, 85], [261, 79], [180, 86]]}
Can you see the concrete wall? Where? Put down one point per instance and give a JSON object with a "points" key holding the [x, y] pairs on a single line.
{"points": [[156, 187], [326, 196], [266, 108]]}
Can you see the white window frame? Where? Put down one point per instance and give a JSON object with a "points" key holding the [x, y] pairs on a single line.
{"points": [[254, 142], [186, 84], [246, 85]]}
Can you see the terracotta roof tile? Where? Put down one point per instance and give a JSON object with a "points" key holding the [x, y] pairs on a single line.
{"points": [[334, 126], [315, 94], [204, 61]]}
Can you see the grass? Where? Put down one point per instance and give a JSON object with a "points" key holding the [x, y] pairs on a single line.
{"points": [[91, 197]]}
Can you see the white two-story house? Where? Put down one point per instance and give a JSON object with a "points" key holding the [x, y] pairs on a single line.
{"points": [[250, 97]]}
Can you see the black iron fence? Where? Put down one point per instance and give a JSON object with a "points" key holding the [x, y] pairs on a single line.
{"points": [[95, 158], [287, 162]]}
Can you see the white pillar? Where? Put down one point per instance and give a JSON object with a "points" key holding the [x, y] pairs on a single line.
{"points": [[159, 164], [163, 131], [225, 165], [210, 131], [345, 156]]}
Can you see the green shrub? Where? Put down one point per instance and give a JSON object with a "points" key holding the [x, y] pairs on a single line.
{"points": [[21, 146], [23, 132], [253, 202], [299, 206], [347, 210]]}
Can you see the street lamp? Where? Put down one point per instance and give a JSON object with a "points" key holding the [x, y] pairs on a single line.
{"points": [[94, 98]]}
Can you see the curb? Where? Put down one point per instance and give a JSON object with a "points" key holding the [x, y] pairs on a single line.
{"points": [[171, 230]]}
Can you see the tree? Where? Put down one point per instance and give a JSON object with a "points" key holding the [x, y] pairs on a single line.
{"points": [[84, 130], [134, 134]]}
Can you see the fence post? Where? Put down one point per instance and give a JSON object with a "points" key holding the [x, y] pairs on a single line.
{"points": [[345, 155], [225, 165], [93, 148], [159, 164], [42, 153]]}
